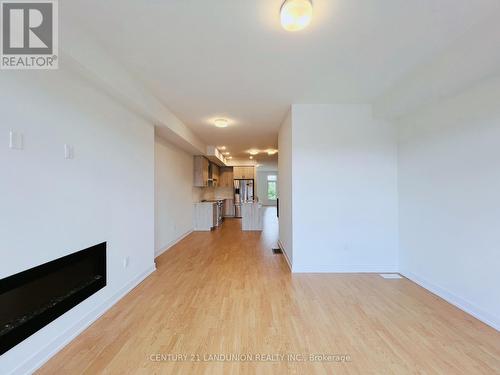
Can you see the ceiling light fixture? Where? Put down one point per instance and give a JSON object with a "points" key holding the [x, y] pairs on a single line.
{"points": [[221, 123], [227, 153], [296, 14], [272, 152], [222, 148], [253, 152], [251, 157]]}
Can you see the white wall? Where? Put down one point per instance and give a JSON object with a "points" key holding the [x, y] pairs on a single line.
{"points": [[262, 187], [285, 187], [83, 51], [344, 190], [50, 207], [473, 56], [174, 194], [449, 184]]}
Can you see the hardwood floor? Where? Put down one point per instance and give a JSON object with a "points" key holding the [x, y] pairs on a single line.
{"points": [[225, 292]]}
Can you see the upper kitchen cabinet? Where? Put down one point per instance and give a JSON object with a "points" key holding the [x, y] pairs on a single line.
{"points": [[226, 177], [244, 173], [201, 167], [250, 173], [214, 174]]}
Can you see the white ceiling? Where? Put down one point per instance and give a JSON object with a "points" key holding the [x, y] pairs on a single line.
{"points": [[230, 58]]}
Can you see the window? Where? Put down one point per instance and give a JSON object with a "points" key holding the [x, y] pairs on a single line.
{"points": [[272, 181]]}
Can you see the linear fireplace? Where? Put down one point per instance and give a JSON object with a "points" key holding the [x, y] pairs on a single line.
{"points": [[32, 299]]}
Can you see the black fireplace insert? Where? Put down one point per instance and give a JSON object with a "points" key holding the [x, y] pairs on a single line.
{"points": [[33, 298]]}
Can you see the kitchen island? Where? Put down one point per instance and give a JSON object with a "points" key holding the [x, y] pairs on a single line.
{"points": [[251, 216]]}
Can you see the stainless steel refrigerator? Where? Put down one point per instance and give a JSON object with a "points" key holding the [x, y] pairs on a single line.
{"points": [[243, 192]]}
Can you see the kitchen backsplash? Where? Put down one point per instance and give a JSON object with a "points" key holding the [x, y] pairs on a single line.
{"points": [[216, 193]]}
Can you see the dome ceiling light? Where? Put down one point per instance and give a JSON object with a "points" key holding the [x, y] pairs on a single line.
{"points": [[221, 123], [296, 14]]}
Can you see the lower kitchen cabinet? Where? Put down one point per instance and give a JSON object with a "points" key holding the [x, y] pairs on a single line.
{"points": [[205, 216], [228, 207]]}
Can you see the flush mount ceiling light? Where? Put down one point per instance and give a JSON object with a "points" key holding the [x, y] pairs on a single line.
{"points": [[221, 123], [272, 152], [253, 152], [296, 14]]}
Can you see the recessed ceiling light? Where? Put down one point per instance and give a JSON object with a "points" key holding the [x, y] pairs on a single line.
{"points": [[230, 157], [272, 152], [296, 14], [253, 152], [227, 153], [221, 123], [251, 157], [222, 148]]}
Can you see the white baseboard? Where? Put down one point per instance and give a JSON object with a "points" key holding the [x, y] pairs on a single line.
{"points": [[464, 305], [36, 361], [280, 245], [346, 269], [337, 269], [172, 243]]}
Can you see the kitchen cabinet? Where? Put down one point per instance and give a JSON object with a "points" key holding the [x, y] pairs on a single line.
{"points": [[238, 173], [201, 167], [205, 216], [228, 207], [226, 177], [244, 173], [248, 173], [215, 174]]}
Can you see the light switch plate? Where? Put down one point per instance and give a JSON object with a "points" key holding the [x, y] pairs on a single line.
{"points": [[16, 140], [68, 151]]}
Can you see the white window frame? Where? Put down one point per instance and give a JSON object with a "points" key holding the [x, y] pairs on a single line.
{"points": [[275, 182]]}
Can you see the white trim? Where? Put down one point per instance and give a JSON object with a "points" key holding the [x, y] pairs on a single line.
{"points": [[44, 354], [346, 269], [280, 245], [172, 243], [464, 305]]}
